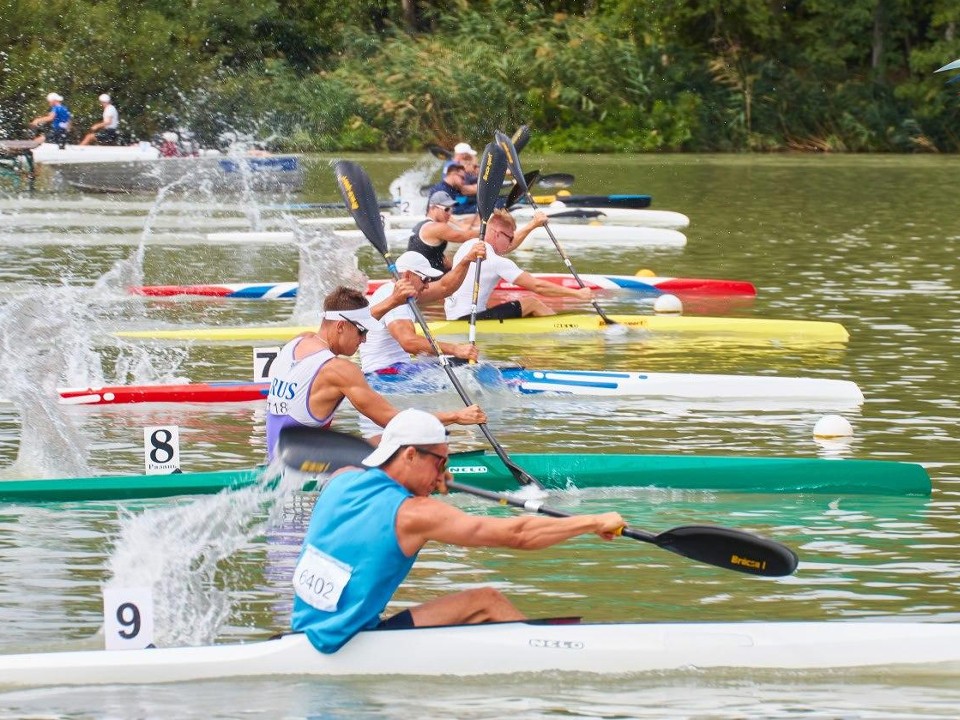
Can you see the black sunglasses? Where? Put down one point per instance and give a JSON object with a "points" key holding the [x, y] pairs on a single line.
{"points": [[425, 279], [360, 328], [442, 458]]}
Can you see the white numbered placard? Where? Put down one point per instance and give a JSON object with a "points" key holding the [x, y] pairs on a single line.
{"points": [[161, 449], [127, 618], [263, 358]]}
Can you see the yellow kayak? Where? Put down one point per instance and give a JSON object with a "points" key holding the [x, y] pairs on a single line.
{"points": [[720, 327]]}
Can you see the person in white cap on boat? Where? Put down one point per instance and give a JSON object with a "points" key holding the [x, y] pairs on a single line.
{"points": [[105, 131], [59, 120], [391, 342], [369, 524], [308, 380]]}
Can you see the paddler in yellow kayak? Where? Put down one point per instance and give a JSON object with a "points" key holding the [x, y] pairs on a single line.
{"points": [[501, 238], [390, 343]]}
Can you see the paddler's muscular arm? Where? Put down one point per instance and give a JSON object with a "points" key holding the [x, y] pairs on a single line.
{"points": [[342, 378], [543, 287], [421, 519], [439, 231], [539, 219], [405, 333], [402, 289], [449, 283]]}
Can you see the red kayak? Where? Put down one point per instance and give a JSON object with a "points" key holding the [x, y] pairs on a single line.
{"points": [[215, 392]]}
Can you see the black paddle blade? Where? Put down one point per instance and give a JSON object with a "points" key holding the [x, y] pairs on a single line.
{"points": [[513, 161], [493, 168], [521, 137], [312, 450], [730, 549], [361, 200], [517, 191], [441, 153]]}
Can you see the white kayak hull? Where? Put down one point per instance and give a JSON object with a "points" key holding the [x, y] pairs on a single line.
{"points": [[509, 648], [692, 386], [606, 216], [51, 154], [609, 235]]}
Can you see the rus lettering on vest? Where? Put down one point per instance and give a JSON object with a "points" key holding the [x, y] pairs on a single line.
{"points": [[282, 390]]}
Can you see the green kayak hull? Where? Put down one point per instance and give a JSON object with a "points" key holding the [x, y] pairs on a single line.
{"points": [[557, 471]]}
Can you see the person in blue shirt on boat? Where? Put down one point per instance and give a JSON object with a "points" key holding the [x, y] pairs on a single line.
{"points": [[392, 341], [59, 119], [431, 236], [308, 379], [460, 182], [502, 237], [465, 193], [369, 524]]}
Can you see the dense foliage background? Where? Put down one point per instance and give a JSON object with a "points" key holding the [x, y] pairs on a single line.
{"points": [[588, 75]]}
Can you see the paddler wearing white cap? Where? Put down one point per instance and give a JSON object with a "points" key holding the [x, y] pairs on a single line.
{"points": [[308, 380], [391, 342], [105, 131], [58, 119]]}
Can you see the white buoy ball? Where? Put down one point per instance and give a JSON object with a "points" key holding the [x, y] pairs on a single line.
{"points": [[668, 305], [831, 427]]}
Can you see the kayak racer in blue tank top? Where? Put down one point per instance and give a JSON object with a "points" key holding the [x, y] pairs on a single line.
{"points": [[369, 524], [58, 119]]}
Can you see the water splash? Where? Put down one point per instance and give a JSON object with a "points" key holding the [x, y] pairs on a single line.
{"points": [[182, 553], [44, 336], [326, 261], [405, 190]]}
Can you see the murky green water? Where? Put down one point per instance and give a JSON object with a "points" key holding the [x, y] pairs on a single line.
{"points": [[867, 241]]}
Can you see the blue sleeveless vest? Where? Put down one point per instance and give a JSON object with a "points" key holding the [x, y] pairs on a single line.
{"points": [[354, 522]]}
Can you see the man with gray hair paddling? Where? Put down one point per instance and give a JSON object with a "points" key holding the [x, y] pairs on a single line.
{"points": [[369, 524]]}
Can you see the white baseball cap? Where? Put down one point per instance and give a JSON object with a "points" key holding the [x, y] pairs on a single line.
{"points": [[408, 427], [463, 148], [415, 262], [104, 98], [53, 96]]}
